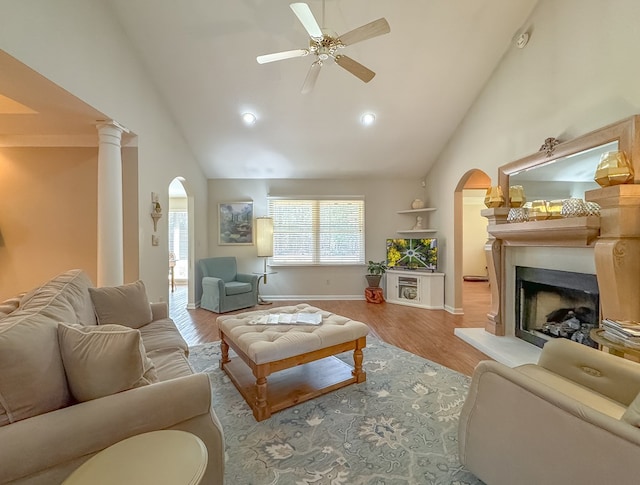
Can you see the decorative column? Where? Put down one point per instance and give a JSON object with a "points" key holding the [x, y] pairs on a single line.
{"points": [[110, 218], [617, 250], [495, 261]]}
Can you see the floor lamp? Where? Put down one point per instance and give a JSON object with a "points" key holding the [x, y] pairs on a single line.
{"points": [[264, 245]]}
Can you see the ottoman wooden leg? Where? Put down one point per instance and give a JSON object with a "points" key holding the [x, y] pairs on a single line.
{"points": [[224, 348], [357, 372], [261, 410]]}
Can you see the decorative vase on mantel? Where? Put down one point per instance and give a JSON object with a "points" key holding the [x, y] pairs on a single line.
{"points": [[614, 169], [516, 196], [494, 197]]}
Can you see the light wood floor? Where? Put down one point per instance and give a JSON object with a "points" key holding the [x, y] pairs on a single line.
{"points": [[428, 333]]}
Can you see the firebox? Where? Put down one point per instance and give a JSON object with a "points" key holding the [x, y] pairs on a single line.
{"points": [[555, 304]]}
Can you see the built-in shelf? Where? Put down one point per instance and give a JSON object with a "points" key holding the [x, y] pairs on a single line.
{"points": [[415, 211], [414, 231], [566, 232]]}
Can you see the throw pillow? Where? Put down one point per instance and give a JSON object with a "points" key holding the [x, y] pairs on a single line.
{"points": [[10, 305], [103, 360], [632, 414], [32, 378], [122, 305]]}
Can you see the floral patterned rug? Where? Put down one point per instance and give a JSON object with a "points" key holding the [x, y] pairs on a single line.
{"points": [[399, 427]]}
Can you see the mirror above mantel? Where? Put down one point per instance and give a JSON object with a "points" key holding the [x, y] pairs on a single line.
{"points": [[564, 177], [567, 169]]}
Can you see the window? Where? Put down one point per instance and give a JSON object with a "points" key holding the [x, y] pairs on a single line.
{"points": [[312, 231], [179, 241]]}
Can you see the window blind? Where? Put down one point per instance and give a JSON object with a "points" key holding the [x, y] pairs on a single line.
{"points": [[317, 231]]}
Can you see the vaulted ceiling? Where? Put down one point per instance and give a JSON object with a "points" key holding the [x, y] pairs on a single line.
{"points": [[430, 68]]}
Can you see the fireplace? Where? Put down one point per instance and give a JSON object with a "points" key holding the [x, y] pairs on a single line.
{"points": [[555, 304]]}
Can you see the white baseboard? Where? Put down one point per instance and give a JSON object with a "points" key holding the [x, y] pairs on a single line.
{"points": [[454, 311], [311, 297]]}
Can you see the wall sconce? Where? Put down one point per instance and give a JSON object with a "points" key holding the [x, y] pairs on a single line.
{"points": [[156, 210]]}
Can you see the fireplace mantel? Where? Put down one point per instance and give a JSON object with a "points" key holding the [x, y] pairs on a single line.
{"points": [[614, 235], [569, 232]]}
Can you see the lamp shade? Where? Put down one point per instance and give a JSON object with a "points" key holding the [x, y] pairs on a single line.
{"points": [[264, 236]]}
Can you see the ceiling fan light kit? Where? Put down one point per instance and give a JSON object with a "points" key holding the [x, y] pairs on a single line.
{"points": [[324, 45]]}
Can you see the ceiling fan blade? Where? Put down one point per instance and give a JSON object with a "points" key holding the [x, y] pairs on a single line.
{"points": [[355, 68], [308, 21], [312, 76], [279, 56], [372, 29]]}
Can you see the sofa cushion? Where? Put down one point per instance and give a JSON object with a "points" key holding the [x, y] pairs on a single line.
{"points": [[569, 388], [103, 360], [126, 305], [64, 298], [10, 305], [170, 363], [32, 377], [632, 414], [236, 288], [162, 334]]}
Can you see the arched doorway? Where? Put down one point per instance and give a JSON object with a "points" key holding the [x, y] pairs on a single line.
{"points": [[470, 232], [180, 238]]}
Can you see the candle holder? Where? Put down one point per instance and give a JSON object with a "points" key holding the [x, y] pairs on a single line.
{"points": [[554, 207], [539, 210]]}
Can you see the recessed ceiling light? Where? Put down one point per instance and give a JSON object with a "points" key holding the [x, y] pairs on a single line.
{"points": [[367, 119], [248, 118]]}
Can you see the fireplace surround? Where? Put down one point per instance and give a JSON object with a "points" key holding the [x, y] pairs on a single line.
{"points": [[612, 240]]}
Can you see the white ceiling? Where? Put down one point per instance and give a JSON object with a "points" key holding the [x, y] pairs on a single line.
{"points": [[430, 68]]}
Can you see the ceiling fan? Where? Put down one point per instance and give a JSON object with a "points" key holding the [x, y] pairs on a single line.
{"points": [[325, 45]]}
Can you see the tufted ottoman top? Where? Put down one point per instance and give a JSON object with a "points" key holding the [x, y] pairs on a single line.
{"points": [[269, 343]]}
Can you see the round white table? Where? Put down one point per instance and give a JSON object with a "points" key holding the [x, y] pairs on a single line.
{"points": [[168, 457]]}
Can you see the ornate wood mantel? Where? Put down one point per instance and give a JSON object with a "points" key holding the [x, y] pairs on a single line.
{"points": [[617, 251], [614, 235], [570, 232]]}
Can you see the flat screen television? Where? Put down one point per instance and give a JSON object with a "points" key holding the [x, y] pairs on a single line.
{"points": [[421, 254]]}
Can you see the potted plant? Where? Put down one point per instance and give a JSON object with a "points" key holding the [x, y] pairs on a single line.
{"points": [[375, 270]]}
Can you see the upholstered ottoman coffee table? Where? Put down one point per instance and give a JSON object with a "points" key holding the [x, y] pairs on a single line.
{"points": [[302, 355]]}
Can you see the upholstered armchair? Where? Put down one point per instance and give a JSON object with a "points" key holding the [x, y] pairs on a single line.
{"points": [[223, 288], [574, 417]]}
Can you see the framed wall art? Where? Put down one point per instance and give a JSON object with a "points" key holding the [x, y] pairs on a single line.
{"points": [[235, 223]]}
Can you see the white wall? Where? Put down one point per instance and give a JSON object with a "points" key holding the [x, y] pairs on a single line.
{"points": [[578, 73], [78, 45], [383, 198]]}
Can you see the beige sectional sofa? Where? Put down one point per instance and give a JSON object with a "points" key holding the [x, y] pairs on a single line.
{"points": [[83, 368], [573, 417]]}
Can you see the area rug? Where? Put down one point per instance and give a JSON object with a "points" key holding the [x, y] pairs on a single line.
{"points": [[399, 427]]}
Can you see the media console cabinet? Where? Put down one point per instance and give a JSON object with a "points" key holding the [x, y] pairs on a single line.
{"points": [[417, 288]]}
